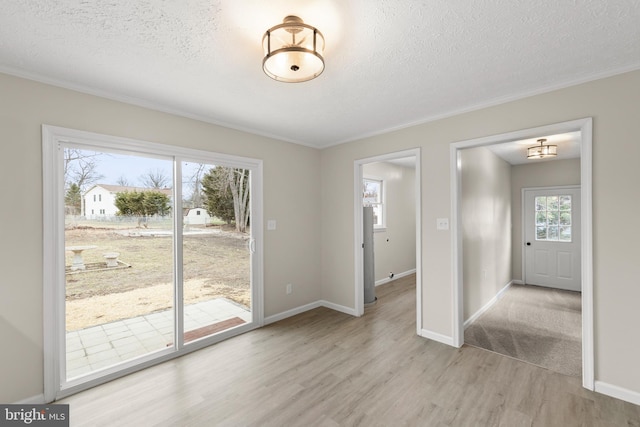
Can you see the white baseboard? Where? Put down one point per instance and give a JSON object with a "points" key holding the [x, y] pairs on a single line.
{"points": [[320, 303], [437, 337], [292, 312], [383, 281], [517, 282], [338, 307], [487, 306], [618, 392], [396, 276], [38, 399]]}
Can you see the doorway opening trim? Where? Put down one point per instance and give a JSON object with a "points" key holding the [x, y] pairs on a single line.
{"points": [[358, 234], [585, 126]]}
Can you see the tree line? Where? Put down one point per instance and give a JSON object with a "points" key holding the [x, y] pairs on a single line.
{"points": [[222, 191]]}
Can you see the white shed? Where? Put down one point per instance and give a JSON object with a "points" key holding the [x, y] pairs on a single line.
{"points": [[197, 216]]}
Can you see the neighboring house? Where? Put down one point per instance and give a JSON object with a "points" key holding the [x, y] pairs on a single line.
{"points": [[196, 216], [99, 201]]}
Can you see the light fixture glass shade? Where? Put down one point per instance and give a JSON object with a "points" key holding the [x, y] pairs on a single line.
{"points": [[293, 51], [542, 151]]}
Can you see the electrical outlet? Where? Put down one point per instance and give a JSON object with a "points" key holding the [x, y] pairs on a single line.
{"points": [[442, 223], [289, 288]]}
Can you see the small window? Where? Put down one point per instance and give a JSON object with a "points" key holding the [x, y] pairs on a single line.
{"points": [[94, 197], [373, 192], [553, 218], [99, 197], [197, 212]]}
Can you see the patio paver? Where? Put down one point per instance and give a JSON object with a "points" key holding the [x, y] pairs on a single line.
{"points": [[104, 345]]}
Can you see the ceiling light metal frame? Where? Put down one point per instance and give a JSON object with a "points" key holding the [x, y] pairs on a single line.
{"points": [[290, 56], [542, 151]]}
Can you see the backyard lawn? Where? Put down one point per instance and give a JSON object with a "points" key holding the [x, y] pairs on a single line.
{"points": [[216, 265]]}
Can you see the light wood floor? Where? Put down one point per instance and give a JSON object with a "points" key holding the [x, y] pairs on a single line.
{"points": [[324, 368]]}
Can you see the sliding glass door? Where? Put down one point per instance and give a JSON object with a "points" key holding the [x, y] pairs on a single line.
{"points": [[149, 253], [216, 249], [119, 272]]}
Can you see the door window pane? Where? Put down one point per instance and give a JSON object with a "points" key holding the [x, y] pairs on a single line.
{"points": [[216, 255], [553, 218], [541, 233], [118, 263]]}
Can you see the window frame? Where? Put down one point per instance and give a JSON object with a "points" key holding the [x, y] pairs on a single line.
{"points": [[382, 225]]}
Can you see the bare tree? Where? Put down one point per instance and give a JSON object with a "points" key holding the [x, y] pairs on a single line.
{"points": [[196, 184], [239, 184], [155, 179], [81, 168], [124, 181], [226, 195]]}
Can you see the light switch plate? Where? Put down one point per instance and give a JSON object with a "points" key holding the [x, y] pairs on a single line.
{"points": [[271, 224], [442, 223]]}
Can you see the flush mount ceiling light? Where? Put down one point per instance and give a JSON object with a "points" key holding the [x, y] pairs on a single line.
{"points": [[542, 151], [293, 51]]}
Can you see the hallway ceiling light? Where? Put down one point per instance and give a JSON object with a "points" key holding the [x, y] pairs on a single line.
{"points": [[542, 151], [293, 51]]}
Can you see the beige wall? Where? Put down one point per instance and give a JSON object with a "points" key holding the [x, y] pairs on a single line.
{"points": [[613, 104], [543, 174], [290, 173], [395, 247], [485, 215]]}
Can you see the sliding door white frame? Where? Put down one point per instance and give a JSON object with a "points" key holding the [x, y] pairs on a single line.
{"points": [[53, 139]]}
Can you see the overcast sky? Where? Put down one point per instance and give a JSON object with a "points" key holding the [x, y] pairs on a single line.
{"points": [[113, 166]]}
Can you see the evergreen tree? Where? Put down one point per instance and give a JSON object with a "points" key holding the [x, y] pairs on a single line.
{"points": [[226, 192], [218, 199], [142, 204], [73, 199]]}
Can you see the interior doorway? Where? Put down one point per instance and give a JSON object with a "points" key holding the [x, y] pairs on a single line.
{"points": [[584, 126], [389, 232]]}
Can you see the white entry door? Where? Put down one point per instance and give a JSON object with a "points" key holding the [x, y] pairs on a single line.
{"points": [[552, 237]]}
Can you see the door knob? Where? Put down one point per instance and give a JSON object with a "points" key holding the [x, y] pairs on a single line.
{"points": [[528, 243]]}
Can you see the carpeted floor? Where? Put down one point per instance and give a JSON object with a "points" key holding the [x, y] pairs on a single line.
{"points": [[538, 325]]}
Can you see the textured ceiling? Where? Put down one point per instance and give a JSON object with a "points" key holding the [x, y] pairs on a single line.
{"points": [[389, 64]]}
